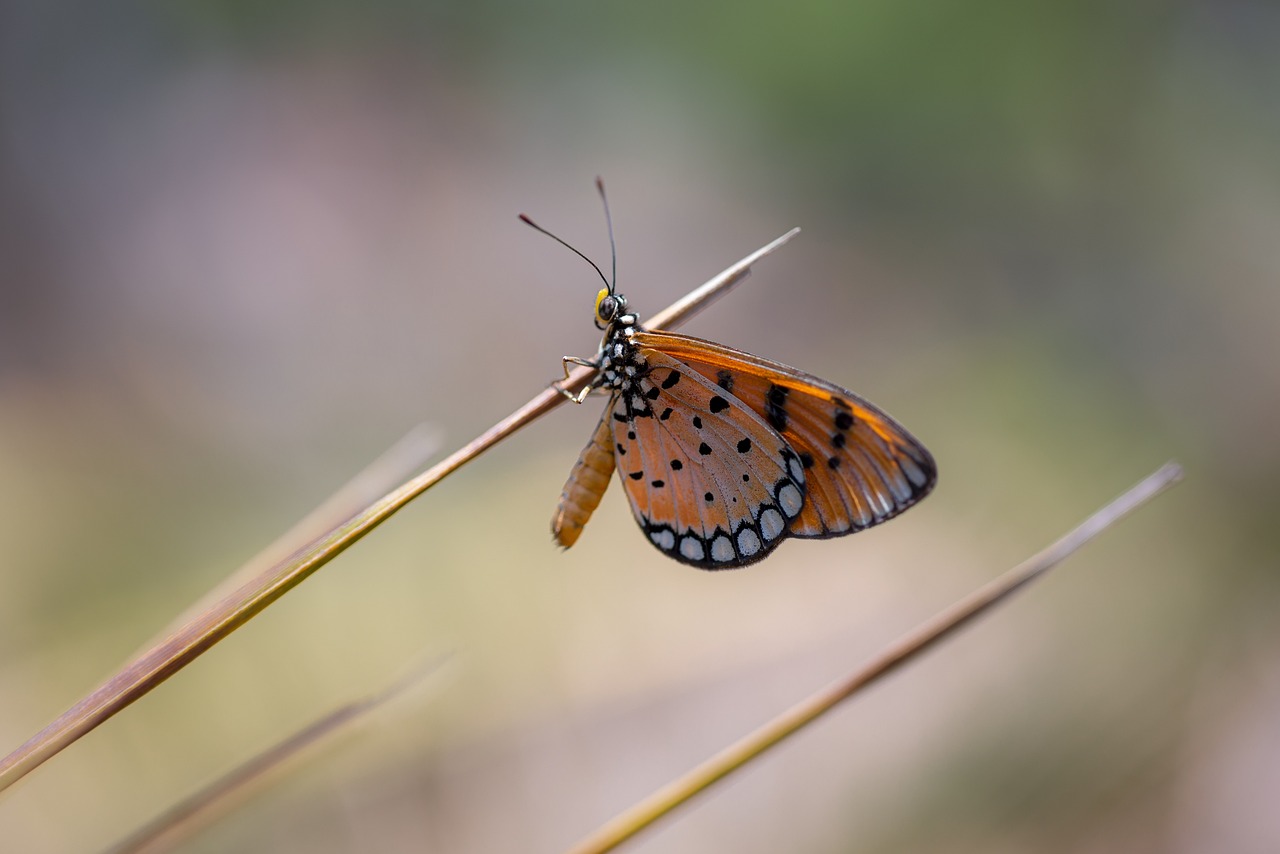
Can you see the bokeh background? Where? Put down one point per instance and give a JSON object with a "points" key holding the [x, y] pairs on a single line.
{"points": [[244, 247]]}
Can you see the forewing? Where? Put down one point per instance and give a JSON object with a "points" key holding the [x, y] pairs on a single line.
{"points": [[862, 467], [709, 481]]}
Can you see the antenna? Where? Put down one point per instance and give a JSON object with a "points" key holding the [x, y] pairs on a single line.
{"points": [[608, 220], [525, 219]]}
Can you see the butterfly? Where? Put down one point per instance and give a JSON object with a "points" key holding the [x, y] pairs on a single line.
{"points": [[722, 454]]}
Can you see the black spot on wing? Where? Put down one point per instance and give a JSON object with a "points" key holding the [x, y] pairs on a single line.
{"points": [[704, 449], [744, 446], [672, 379], [775, 407], [676, 465], [844, 420], [636, 475], [718, 404], [666, 413], [724, 379]]}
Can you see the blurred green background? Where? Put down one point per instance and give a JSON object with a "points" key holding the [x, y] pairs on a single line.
{"points": [[246, 246]]}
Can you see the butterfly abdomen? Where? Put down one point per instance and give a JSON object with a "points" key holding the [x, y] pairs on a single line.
{"points": [[585, 487]]}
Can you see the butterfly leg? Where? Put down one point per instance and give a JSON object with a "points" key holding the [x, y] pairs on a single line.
{"points": [[565, 362]]}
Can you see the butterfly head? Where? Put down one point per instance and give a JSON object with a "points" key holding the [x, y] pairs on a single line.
{"points": [[609, 307]]}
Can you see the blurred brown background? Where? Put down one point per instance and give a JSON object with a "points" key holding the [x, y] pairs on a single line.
{"points": [[246, 246]]}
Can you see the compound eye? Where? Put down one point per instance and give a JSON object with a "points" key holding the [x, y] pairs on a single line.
{"points": [[607, 308]]}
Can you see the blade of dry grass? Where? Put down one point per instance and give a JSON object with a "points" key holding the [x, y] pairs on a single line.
{"points": [[678, 792], [205, 629], [393, 466], [185, 818]]}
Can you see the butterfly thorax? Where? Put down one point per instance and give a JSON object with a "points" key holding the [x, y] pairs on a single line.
{"points": [[621, 364]]}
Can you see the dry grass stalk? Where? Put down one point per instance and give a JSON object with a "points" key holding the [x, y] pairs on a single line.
{"points": [[233, 610], [680, 791], [185, 818]]}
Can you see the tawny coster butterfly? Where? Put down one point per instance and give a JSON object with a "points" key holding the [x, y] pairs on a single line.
{"points": [[723, 455]]}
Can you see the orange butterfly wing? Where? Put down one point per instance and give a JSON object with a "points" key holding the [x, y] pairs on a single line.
{"points": [[709, 481], [862, 468]]}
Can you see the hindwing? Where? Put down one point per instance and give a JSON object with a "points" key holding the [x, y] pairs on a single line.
{"points": [[709, 481]]}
